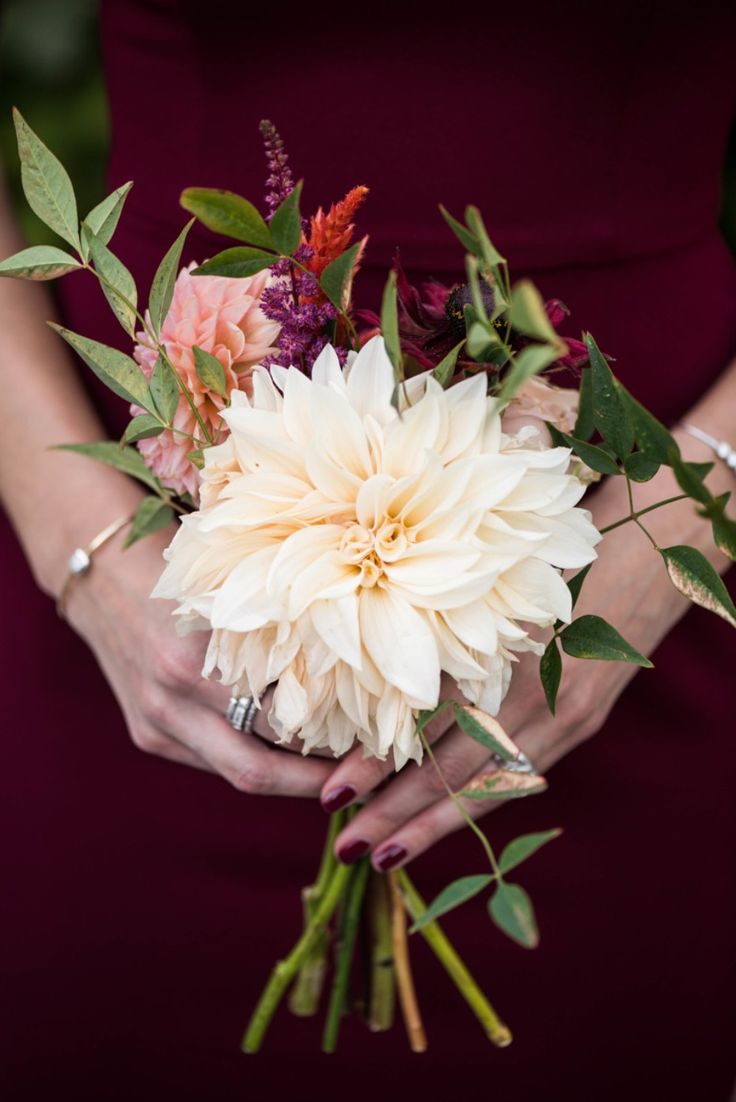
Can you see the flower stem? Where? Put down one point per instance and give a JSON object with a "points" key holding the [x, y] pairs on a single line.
{"points": [[305, 995], [404, 980], [286, 969], [346, 944], [382, 987], [641, 512], [494, 1028]]}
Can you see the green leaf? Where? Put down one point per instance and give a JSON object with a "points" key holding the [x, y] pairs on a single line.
{"points": [[550, 672], [476, 225], [126, 459], [460, 891], [165, 390], [594, 457], [464, 236], [482, 339], [529, 362], [162, 287], [702, 470], [210, 371], [390, 327], [103, 219], [650, 434], [142, 427], [696, 579], [576, 583], [584, 425], [237, 263], [503, 785], [286, 223], [690, 481], [486, 730], [151, 515], [523, 847], [610, 414], [445, 369], [227, 213], [593, 637], [511, 909], [640, 466], [118, 287], [528, 315], [336, 276], [724, 528], [46, 183], [119, 372], [38, 263]]}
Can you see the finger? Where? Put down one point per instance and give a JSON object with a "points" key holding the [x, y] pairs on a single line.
{"points": [[357, 776], [247, 762], [458, 757], [162, 745]]}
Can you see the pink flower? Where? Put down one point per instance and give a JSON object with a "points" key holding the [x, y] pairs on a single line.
{"points": [[223, 317]]}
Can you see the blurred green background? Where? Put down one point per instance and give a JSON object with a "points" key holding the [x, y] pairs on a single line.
{"points": [[50, 68]]}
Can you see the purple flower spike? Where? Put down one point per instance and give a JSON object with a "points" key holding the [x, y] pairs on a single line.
{"points": [[279, 181]]}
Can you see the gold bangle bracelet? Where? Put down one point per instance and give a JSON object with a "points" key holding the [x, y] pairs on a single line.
{"points": [[80, 559]]}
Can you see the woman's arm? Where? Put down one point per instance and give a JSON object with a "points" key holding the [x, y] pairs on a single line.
{"points": [[58, 501], [628, 586]]}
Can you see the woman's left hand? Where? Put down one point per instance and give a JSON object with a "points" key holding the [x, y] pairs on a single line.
{"points": [[628, 587]]}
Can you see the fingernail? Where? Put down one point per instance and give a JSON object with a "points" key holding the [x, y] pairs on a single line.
{"points": [[338, 797], [353, 850], [389, 857]]}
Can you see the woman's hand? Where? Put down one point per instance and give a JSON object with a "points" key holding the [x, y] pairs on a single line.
{"points": [[627, 586], [156, 676]]}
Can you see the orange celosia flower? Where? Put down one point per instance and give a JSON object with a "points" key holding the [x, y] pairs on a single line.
{"points": [[330, 234]]}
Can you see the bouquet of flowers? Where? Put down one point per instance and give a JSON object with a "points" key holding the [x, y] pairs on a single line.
{"points": [[362, 509]]}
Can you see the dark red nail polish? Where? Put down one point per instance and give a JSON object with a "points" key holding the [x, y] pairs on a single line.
{"points": [[338, 797], [389, 857], [353, 850]]}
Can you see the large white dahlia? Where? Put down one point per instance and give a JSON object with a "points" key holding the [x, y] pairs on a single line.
{"points": [[352, 553]]}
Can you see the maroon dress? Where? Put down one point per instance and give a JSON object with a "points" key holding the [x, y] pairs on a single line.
{"points": [[145, 902]]}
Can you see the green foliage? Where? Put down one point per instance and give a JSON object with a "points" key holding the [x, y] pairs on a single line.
{"points": [[142, 427], [576, 583], [40, 262], [511, 909], [336, 276], [286, 223], [103, 219], [162, 286], [227, 213], [650, 434], [467, 239], [585, 425], [119, 372], [46, 184], [488, 251], [610, 414], [529, 362], [640, 467], [523, 847], [125, 459], [210, 371], [164, 390], [484, 733], [528, 315], [460, 891], [596, 458], [237, 263], [117, 283], [390, 327], [151, 515], [550, 672], [502, 785], [594, 637], [445, 369], [692, 574]]}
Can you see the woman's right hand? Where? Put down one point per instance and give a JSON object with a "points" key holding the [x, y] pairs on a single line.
{"points": [[155, 674]]}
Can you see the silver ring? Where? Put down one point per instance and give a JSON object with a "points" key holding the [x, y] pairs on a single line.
{"points": [[241, 713], [520, 764]]}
